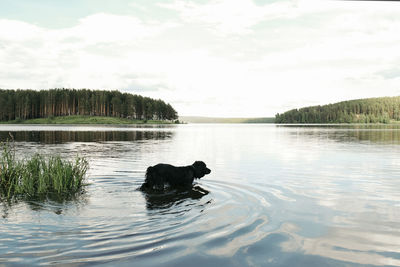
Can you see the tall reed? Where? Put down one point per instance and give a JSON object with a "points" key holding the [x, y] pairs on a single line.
{"points": [[39, 176]]}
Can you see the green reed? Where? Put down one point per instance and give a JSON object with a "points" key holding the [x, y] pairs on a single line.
{"points": [[39, 176]]}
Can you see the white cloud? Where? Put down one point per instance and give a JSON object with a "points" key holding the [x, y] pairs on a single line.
{"points": [[238, 17], [219, 58], [223, 16], [86, 55]]}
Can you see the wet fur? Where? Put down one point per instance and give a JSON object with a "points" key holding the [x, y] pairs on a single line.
{"points": [[159, 175]]}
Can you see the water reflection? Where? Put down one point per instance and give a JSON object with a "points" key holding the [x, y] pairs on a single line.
{"points": [[59, 137], [383, 134], [59, 205], [345, 244], [166, 199], [55, 203]]}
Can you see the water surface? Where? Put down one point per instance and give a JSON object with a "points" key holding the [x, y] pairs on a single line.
{"points": [[278, 195]]}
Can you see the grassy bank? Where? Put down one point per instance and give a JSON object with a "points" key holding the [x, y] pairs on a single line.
{"points": [[39, 176], [84, 120]]}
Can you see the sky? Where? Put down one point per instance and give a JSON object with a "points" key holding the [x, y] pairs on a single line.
{"points": [[218, 58]]}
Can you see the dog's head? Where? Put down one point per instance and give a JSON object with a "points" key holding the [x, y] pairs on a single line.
{"points": [[200, 169]]}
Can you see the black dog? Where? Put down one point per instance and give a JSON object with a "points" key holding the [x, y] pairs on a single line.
{"points": [[161, 174]]}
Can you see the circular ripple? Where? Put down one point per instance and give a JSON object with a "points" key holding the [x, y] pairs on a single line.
{"points": [[214, 218]]}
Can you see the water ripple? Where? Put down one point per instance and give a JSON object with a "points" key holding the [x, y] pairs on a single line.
{"points": [[218, 217]]}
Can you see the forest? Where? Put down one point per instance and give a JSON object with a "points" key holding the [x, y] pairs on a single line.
{"points": [[369, 110], [31, 104]]}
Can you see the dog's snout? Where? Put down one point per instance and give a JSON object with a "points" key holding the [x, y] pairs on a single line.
{"points": [[208, 171]]}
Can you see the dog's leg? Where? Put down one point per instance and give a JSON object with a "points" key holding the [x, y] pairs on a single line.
{"points": [[158, 181]]}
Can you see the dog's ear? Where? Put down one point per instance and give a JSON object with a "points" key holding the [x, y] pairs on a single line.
{"points": [[197, 169], [199, 164]]}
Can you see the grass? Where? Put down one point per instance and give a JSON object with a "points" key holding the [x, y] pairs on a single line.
{"points": [[39, 176], [77, 119]]}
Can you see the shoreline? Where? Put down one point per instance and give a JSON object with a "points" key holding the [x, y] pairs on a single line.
{"points": [[85, 120]]}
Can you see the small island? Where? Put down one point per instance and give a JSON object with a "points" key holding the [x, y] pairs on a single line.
{"points": [[369, 110], [83, 106]]}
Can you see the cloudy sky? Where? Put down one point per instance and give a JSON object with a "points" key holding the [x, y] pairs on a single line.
{"points": [[226, 58]]}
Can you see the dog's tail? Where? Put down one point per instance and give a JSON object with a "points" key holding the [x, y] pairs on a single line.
{"points": [[149, 174], [149, 180]]}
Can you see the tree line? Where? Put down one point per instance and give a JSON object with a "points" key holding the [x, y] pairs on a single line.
{"points": [[370, 110], [31, 104]]}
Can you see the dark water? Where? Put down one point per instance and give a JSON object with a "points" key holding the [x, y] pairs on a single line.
{"points": [[277, 196]]}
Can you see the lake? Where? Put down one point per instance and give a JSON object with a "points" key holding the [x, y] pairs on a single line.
{"points": [[278, 195]]}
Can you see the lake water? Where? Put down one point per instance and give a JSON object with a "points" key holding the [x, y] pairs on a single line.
{"points": [[277, 196]]}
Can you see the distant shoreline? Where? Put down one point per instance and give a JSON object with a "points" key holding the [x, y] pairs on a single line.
{"points": [[103, 120], [198, 119], [384, 110], [77, 119]]}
